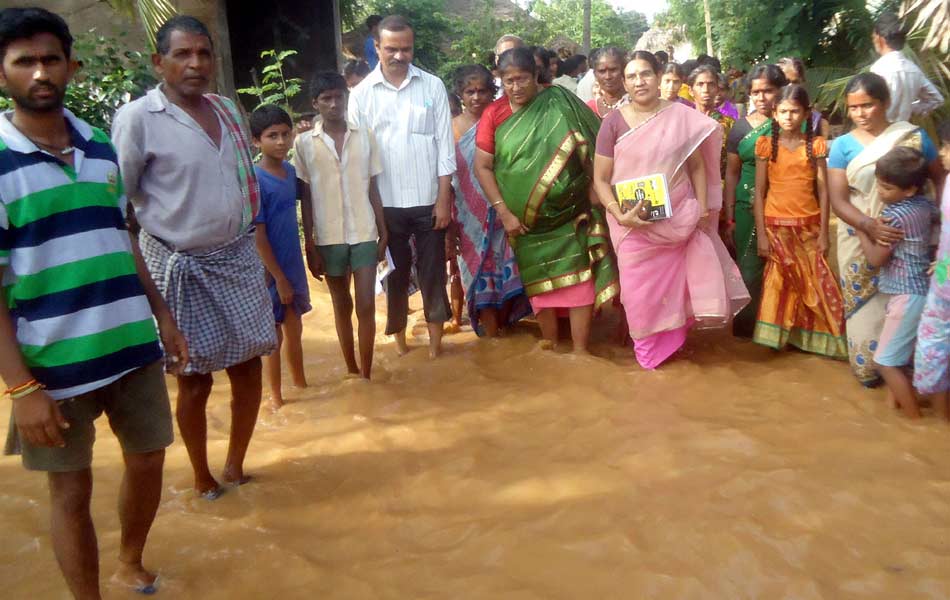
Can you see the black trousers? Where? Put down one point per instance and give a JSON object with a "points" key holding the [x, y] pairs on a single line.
{"points": [[403, 224]]}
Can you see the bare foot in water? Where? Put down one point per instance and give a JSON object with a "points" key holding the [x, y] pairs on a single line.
{"points": [[208, 489], [134, 577], [235, 476], [546, 345], [276, 403], [402, 347]]}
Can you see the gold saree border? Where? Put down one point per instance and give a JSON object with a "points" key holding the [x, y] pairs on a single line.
{"points": [[561, 281], [573, 141]]}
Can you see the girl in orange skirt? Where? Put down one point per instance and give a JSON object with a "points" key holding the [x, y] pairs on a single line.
{"points": [[801, 303]]}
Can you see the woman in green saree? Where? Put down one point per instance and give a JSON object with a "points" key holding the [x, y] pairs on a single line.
{"points": [[765, 81], [534, 161]]}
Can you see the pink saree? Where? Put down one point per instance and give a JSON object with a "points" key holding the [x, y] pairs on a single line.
{"points": [[674, 274]]}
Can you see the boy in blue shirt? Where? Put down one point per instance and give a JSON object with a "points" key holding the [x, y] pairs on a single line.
{"points": [[901, 176], [278, 241]]}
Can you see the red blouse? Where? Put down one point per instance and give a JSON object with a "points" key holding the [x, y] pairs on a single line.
{"points": [[493, 116]]}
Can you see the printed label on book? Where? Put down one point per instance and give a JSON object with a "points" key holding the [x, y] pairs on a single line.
{"points": [[652, 190]]}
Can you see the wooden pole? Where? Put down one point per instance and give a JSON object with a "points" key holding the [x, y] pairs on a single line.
{"points": [[709, 44], [338, 35], [586, 43]]}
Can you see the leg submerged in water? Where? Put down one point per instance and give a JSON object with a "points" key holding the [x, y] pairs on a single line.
{"points": [[580, 327], [343, 317], [193, 392], [73, 534], [547, 319], [292, 336], [898, 384], [365, 282], [272, 361], [139, 498], [245, 404]]}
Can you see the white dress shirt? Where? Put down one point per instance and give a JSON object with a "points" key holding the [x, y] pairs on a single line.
{"points": [[413, 128], [911, 92], [585, 87]]}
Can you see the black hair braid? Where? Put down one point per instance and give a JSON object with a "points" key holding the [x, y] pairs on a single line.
{"points": [[775, 130], [809, 138]]}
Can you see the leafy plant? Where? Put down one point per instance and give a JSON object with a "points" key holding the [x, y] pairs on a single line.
{"points": [[274, 87], [936, 14], [151, 13], [108, 78]]}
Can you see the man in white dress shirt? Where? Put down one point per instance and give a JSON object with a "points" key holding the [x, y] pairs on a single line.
{"points": [[911, 92], [407, 110]]}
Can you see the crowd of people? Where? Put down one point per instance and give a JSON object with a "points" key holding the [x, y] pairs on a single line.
{"points": [[551, 191]]}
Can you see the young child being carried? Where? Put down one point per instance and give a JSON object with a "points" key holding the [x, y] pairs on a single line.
{"points": [[901, 176], [932, 357], [344, 230], [278, 241], [801, 303]]}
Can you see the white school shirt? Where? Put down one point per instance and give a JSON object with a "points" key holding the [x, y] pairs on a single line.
{"points": [[413, 129], [911, 92], [339, 185]]}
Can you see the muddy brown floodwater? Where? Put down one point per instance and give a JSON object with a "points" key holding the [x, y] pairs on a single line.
{"points": [[503, 472]]}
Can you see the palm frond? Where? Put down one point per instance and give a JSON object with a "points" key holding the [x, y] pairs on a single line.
{"points": [[151, 13], [932, 13]]}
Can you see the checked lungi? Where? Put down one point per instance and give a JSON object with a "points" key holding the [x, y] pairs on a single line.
{"points": [[218, 298]]}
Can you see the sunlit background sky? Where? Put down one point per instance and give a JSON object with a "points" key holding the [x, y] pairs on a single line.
{"points": [[648, 7]]}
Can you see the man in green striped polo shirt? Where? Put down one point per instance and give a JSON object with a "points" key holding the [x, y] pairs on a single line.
{"points": [[78, 309]]}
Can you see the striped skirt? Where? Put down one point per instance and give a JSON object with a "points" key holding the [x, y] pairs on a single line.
{"points": [[801, 302]]}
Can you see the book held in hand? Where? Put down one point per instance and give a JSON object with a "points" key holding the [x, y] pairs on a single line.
{"points": [[652, 190]]}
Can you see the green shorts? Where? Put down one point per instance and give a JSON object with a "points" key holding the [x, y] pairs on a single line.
{"points": [[340, 258], [139, 415]]}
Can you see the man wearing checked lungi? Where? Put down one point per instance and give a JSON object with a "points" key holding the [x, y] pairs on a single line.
{"points": [[188, 171]]}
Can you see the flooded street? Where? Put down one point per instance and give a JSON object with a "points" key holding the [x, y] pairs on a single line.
{"points": [[500, 471]]}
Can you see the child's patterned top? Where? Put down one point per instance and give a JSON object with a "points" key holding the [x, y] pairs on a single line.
{"points": [[942, 272]]}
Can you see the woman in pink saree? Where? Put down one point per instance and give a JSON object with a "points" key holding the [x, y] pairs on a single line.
{"points": [[675, 273]]}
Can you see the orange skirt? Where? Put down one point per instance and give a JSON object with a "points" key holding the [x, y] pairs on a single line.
{"points": [[801, 302]]}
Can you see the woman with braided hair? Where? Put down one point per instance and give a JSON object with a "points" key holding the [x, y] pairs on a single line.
{"points": [[765, 81], [801, 302]]}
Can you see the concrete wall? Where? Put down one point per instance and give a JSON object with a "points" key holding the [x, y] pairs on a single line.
{"points": [[83, 15]]}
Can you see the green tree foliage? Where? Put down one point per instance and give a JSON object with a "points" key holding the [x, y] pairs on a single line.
{"points": [[475, 36], [823, 32], [108, 78], [444, 42], [430, 25], [607, 26]]}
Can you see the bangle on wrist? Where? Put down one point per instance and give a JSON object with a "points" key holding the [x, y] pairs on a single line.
{"points": [[25, 390], [496, 203], [22, 386]]}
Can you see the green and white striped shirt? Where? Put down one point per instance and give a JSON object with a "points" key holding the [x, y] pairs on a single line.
{"points": [[69, 280]]}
